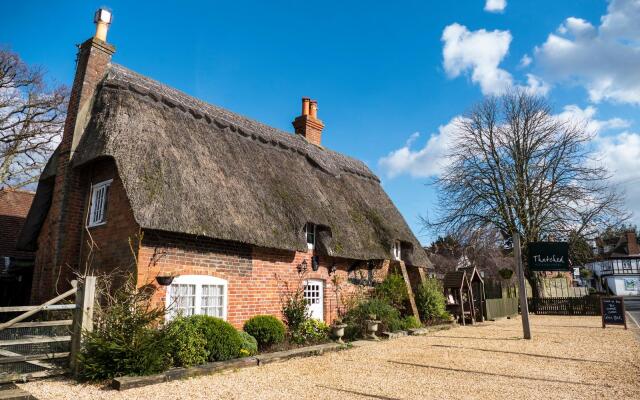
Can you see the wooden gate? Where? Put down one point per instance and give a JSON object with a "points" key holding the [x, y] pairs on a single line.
{"points": [[48, 343], [587, 305]]}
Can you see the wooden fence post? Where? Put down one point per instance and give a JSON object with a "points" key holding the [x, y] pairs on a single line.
{"points": [[83, 318]]}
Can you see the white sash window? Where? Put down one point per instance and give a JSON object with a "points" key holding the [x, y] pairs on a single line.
{"points": [[98, 208], [197, 294]]}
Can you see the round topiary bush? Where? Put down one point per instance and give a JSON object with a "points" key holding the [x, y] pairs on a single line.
{"points": [[249, 345], [223, 340], [267, 329]]}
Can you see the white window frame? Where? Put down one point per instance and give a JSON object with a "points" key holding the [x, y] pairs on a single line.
{"points": [[396, 250], [199, 281], [311, 245], [95, 190]]}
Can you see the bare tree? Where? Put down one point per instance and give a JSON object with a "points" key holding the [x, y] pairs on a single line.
{"points": [[516, 167], [31, 120]]}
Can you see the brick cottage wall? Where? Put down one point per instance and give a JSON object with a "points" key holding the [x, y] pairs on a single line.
{"points": [[97, 250], [257, 277]]}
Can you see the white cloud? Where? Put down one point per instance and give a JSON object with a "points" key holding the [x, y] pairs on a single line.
{"points": [[525, 61], [480, 54], [575, 114], [495, 5], [423, 163], [478, 51], [604, 59]]}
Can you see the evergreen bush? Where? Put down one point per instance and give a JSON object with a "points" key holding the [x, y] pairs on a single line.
{"points": [[311, 331], [188, 344], [430, 301], [393, 290], [266, 329], [223, 341], [356, 318], [249, 345]]}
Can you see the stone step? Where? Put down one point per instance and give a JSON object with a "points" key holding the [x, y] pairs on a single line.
{"points": [[10, 391]]}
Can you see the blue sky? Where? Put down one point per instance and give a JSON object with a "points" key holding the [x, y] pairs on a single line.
{"points": [[389, 76]]}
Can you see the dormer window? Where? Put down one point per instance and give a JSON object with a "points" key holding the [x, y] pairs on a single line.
{"points": [[98, 208], [396, 250], [310, 233]]}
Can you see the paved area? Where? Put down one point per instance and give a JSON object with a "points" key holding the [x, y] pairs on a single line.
{"points": [[632, 305], [568, 358]]}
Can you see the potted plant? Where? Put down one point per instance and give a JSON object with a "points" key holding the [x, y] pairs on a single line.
{"points": [[372, 327], [337, 329]]}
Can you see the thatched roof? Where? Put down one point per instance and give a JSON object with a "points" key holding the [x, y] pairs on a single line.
{"points": [[198, 169]]}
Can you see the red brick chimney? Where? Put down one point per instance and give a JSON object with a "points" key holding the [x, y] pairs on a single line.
{"points": [[308, 124], [632, 243], [65, 214]]}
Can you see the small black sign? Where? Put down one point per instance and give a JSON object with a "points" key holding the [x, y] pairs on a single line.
{"points": [[548, 256], [613, 311]]}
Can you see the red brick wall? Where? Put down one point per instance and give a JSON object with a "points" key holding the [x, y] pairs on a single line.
{"points": [[96, 250], [256, 276]]}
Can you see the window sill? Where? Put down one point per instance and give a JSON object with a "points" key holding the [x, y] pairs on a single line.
{"points": [[96, 225]]}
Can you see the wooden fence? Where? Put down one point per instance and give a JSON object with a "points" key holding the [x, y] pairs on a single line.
{"points": [[44, 348], [587, 305], [498, 308]]}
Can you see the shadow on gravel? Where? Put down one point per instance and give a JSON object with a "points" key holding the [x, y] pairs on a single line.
{"points": [[373, 396], [522, 354], [475, 337], [528, 378]]}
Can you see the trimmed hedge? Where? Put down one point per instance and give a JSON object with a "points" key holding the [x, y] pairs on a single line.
{"points": [[223, 340], [249, 345], [266, 329]]}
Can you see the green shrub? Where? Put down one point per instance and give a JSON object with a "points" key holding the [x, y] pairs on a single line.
{"points": [[223, 340], [249, 345], [393, 290], [311, 331], [125, 340], [356, 318], [410, 322], [295, 310], [430, 301], [188, 344], [267, 329]]}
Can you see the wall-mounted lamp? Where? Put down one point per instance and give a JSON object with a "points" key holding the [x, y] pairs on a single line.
{"points": [[333, 268], [302, 267], [164, 280]]}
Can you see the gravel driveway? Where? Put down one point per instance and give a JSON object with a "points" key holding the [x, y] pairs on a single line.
{"points": [[568, 358]]}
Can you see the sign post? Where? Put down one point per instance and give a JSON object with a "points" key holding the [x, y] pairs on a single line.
{"points": [[613, 312], [524, 307]]}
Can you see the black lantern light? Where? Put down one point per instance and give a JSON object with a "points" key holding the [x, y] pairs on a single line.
{"points": [[333, 269], [302, 267]]}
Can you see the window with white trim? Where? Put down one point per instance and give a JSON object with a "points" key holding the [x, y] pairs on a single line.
{"points": [[310, 233], [99, 199], [396, 250], [197, 294]]}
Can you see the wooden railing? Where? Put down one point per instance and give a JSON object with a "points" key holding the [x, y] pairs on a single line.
{"points": [[81, 322], [588, 305]]}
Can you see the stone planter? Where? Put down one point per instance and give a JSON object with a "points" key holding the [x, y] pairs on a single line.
{"points": [[337, 331], [372, 328]]}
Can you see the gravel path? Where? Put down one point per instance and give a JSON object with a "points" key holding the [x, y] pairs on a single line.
{"points": [[569, 358]]}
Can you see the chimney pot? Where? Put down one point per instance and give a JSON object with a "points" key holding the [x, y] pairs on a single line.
{"points": [[313, 109], [102, 19], [308, 124], [305, 105]]}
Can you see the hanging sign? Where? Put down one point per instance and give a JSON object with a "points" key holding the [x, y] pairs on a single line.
{"points": [[613, 312], [548, 256]]}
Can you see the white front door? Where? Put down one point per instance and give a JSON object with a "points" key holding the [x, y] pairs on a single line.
{"points": [[314, 295]]}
